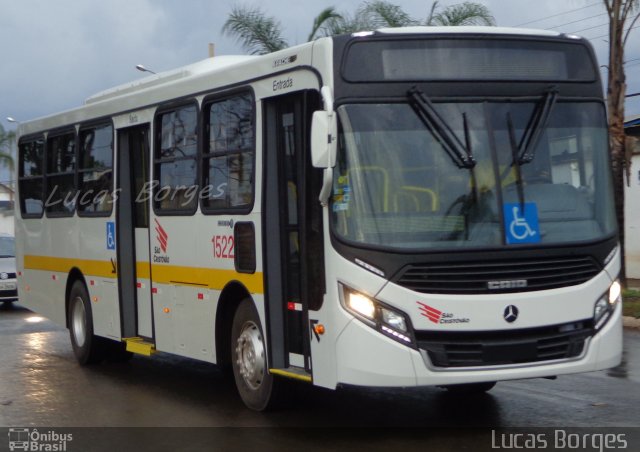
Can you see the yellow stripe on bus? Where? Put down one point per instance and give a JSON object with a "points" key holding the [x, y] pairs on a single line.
{"points": [[142, 270], [102, 269], [210, 278]]}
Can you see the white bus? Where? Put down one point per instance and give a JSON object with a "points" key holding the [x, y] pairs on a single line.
{"points": [[405, 207]]}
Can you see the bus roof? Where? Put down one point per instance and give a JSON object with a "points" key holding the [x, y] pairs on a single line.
{"points": [[105, 102], [201, 67], [472, 30], [218, 63]]}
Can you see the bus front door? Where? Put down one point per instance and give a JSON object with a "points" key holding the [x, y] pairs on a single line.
{"points": [[293, 264], [133, 247]]}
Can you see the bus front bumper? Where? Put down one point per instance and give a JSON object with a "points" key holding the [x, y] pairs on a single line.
{"points": [[365, 357]]}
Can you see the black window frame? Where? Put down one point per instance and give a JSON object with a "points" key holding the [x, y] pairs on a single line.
{"points": [[80, 170], [206, 155], [50, 136], [158, 161], [22, 178]]}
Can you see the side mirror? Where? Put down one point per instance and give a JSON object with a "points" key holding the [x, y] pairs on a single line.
{"points": [[324, 136]]}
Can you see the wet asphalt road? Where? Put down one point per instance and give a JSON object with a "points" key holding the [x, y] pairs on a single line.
{"points": [[42, 385]]}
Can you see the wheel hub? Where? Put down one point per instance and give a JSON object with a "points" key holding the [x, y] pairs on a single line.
{"points": [[78, 322], [250, 355]]}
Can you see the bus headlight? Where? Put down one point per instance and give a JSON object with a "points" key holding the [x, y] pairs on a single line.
{"points": [[394, 319], [361, 304], [606, 304], [385, 319]]}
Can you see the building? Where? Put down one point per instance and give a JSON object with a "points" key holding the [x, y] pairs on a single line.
{"points": [[6, 209]]}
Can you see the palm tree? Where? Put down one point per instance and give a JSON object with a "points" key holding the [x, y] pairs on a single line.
{"points": [[257, 33], [380, 13], [260, 34], [321, 19], [467, 13]]}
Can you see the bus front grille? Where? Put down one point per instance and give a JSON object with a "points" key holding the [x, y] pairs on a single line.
{"points": [[496, 348], [505, 276]]}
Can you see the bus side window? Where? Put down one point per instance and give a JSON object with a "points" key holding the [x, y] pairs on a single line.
{"points": [[175, 159], [61, 165], [95, 170], [31, 178], [228, 154]]}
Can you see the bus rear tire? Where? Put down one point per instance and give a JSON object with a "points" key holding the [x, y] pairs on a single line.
{"points": [[88, 348], [258, 389]]}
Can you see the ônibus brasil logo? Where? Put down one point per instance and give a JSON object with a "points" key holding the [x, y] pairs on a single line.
{"points": [[436, 316], [32, 439]]}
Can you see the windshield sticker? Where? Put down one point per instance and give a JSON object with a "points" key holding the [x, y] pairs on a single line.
{"points": [[521, 225], [341, 195]]}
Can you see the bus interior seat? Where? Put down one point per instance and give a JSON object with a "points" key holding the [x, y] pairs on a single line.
{"points": [[410, 198]]}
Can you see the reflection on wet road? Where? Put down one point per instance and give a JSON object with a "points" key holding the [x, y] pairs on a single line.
{"points": [[41, 384]]}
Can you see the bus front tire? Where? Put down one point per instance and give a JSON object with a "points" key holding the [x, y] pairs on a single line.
{"points": [[258, 389], [88, 348]]}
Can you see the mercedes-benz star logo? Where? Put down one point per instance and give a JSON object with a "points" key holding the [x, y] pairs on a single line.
{"points": [[510, 313]]}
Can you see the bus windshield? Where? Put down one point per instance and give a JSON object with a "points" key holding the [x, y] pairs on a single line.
{"points": [[398, 185]]}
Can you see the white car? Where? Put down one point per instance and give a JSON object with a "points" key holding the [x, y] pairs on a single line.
{"points": [[8, 285]]}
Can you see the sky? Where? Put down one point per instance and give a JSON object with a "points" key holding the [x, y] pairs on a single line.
{"points": [[55, 54]]}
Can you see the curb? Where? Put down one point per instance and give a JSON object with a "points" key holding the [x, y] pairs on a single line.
{"points": [[630, 322]]}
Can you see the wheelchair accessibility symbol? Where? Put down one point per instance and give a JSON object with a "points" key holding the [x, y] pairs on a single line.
{"points": [[521, 226], [111, 235]]}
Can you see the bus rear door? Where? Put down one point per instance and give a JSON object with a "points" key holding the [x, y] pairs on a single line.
{"points": [[132, 226]]}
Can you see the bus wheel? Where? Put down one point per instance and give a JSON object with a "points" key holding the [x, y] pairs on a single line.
{"points": [[88, 348], [470, 388], [249, 359]]}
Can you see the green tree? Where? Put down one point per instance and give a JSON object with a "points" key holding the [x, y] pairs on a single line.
{"points": [[260, 34], [6, 143]]}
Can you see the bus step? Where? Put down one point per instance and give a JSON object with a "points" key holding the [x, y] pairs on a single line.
{"points": [[139, 346], [297, 373]]}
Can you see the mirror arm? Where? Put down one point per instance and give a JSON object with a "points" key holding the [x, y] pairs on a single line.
{"points": [[327, 184], [327, 97]]}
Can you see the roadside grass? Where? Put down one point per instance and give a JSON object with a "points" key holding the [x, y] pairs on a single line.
{"points": [[631, 303]]}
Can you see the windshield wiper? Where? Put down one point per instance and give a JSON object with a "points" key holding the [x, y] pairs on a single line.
{"points": [[536, 127], [459, 152], [515, 163]]}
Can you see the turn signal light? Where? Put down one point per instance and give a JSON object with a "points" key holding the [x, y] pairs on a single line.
{"points": [[319, 329]]}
